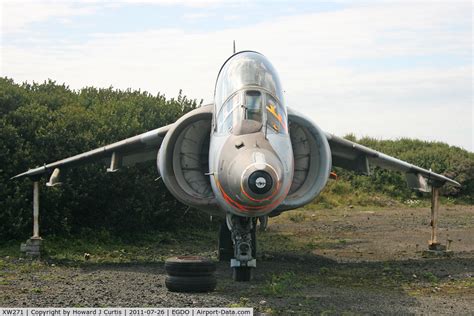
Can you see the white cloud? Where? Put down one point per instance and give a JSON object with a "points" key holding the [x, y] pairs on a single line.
{"points": [[17, 15], [312, 53]]}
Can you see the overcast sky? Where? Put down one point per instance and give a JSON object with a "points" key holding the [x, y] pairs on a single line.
{"points": [[385, 69]]}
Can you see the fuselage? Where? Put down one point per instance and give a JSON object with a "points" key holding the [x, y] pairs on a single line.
{"points": [[251, 160]]}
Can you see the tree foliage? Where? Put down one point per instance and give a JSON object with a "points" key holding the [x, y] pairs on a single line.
{"points": [[41, 123]]}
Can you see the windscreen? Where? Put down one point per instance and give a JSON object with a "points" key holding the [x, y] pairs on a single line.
{"points": [[229, 114], [253, 105]]}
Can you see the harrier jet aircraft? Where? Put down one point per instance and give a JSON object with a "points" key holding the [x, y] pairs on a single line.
{"points": [[246, 156]]}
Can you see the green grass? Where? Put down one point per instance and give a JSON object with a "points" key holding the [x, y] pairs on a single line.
{"points": [[430, 277], [243, 302], [444, 286], [342, 193], [281, 284], [105, 248], [297, 217], [10, 248]]}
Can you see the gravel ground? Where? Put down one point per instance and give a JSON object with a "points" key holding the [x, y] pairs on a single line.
{"points": [[347, 261]]}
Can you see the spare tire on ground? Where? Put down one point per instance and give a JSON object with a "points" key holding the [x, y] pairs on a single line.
{"points": [[190, 274]]}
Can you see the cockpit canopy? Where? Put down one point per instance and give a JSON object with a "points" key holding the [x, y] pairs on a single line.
{"points": [[248, 90]]}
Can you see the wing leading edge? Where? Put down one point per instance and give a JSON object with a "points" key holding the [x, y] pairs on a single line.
{"points": [[139, 148], [352, 156]]}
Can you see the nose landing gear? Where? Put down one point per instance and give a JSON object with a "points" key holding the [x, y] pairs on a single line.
{"points": [[239, 233]]}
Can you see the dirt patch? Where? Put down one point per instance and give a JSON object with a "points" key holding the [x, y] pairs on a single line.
{"points": [[352, 261]]}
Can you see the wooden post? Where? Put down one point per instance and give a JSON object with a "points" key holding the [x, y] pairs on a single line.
{"points": [[434, 215], [435, 248]]}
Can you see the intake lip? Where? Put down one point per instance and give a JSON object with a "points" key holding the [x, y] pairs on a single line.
{"points": [[260, 182]]}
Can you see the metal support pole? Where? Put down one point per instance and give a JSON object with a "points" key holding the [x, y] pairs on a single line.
{"points": [[36, 211], [434, 215]]}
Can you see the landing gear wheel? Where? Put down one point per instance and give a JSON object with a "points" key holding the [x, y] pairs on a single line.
{"points": [[189, 266], [225, 245], [190, 274], [242, 274]]}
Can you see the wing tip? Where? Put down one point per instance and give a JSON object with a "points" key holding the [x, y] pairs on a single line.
{"points": [[31, 173], [19, 175], [455, 183]]}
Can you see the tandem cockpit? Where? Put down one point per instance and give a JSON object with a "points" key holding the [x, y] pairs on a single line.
{"points": [[248, 97], [250, 138]]}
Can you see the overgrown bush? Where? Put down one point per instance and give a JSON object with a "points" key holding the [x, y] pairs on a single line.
{"points": [[41, 123]]}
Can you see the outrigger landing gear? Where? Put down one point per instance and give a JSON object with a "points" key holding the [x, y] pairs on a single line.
{"points": [[237, 242]]}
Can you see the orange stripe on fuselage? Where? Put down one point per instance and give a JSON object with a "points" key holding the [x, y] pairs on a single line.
{"points": [[243, 208]]}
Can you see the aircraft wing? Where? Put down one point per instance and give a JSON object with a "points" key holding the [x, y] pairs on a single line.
{"points": [[139, 148], [355, 157]]}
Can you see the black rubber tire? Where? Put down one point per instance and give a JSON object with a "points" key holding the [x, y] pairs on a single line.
{"points": [[242, 274], [189, 266], [225, 244], [191, 284]]}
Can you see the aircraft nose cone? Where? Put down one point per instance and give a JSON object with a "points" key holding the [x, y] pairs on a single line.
{"points": [[260, 182]]}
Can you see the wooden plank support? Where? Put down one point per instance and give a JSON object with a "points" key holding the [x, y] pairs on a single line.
{"points": [[36, 211], [32, 247], [433, 243]]}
